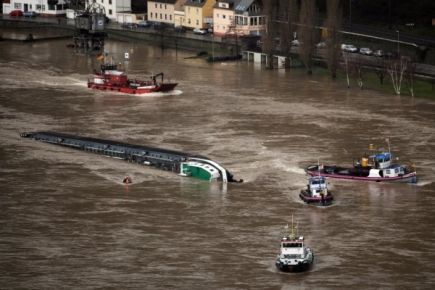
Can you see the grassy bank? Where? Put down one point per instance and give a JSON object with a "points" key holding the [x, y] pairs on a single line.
{"points": [[422, 88]]}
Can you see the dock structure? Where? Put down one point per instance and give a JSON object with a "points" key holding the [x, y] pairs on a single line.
{"points": [[90, 26], [185, 164]]}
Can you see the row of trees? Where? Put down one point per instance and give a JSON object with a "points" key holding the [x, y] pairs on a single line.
{"points": [[290, 16]]}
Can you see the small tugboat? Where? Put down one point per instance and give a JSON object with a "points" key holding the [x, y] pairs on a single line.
{"points": [[317, 192], [294, 256], [375, 167], [111, 79]]}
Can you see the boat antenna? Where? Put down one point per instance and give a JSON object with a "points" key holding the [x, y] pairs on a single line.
{"points": [[388, 142], [297, 228], [292, 232], [318, 166]]}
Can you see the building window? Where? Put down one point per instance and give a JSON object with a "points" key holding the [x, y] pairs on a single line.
{"points": [[223, 16], [151, 15], [161, 16], [43, 7], [197, 11], [155, 4], [197, 22], [110, 11], [110, 2], [38, 7], [170, 17], [30, 6], [160, 5], [165, 6], [166, 17], [217, 15], [17, 5]]}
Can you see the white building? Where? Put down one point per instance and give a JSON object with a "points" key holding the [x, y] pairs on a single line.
{"points": [[43, 7], [113, 7]]}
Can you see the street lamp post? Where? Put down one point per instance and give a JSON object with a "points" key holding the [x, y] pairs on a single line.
{"points": [[398, 43], [350, 14]]}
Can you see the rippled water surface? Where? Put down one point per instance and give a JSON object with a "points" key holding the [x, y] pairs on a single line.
{"points": [[67, 221]]}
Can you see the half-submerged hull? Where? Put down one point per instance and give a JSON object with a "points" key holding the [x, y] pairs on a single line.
{"points": [[361, 175], [185, 164]]}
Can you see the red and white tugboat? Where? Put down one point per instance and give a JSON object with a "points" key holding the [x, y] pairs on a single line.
{"points": [[294, 256], [112, 79]]}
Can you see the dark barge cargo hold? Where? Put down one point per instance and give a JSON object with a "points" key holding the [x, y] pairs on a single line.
{"points": [[182, 163]]}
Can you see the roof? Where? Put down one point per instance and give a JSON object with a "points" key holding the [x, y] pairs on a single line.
{"points": [[195, 3], [230, 2], [164, 1], [243, 5]]}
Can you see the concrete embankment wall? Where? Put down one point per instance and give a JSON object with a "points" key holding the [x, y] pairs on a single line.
{"points": [[170, 39], [21, 30]]}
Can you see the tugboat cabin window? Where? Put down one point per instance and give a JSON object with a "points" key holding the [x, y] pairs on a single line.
{"points": [[292, 245]]}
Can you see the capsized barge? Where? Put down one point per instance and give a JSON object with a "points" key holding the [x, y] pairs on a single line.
{"points": [[185, 164]]}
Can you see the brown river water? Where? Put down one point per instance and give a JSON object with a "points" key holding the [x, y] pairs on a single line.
{"points": [[68, 222]]}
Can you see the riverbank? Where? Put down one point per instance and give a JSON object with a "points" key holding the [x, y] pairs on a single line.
{"points": [[208, 46]]}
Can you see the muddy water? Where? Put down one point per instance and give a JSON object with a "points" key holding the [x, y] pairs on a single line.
{"points": [[66, 220]]}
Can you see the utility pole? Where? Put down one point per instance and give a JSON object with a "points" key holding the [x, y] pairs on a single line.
{"points": [[398, 43]]}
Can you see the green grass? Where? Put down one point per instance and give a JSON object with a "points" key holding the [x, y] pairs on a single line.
{"points": [[422, 88]]}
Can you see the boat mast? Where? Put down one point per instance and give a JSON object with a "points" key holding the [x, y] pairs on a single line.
{"points": [[388, 142]]}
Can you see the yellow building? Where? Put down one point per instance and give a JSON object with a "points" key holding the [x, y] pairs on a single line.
{"points": [[198, 13], [179, 13], [161, 11]]}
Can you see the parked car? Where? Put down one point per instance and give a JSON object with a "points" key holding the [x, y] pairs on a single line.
{"points": [[16, 13], [321, 44], [30, 14], [365, 51], [349, 48], [379, 53], [180, 29], [129, 25], [295, 42], [391, 54], [143, 24], [199, 31]]}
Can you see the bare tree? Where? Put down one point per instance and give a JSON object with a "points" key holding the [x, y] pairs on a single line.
{"points": [[396, 69], [409, 76], [381, 69], [333, 37], [346, 67], [306, 33], [357, 68], [270, 33]]}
